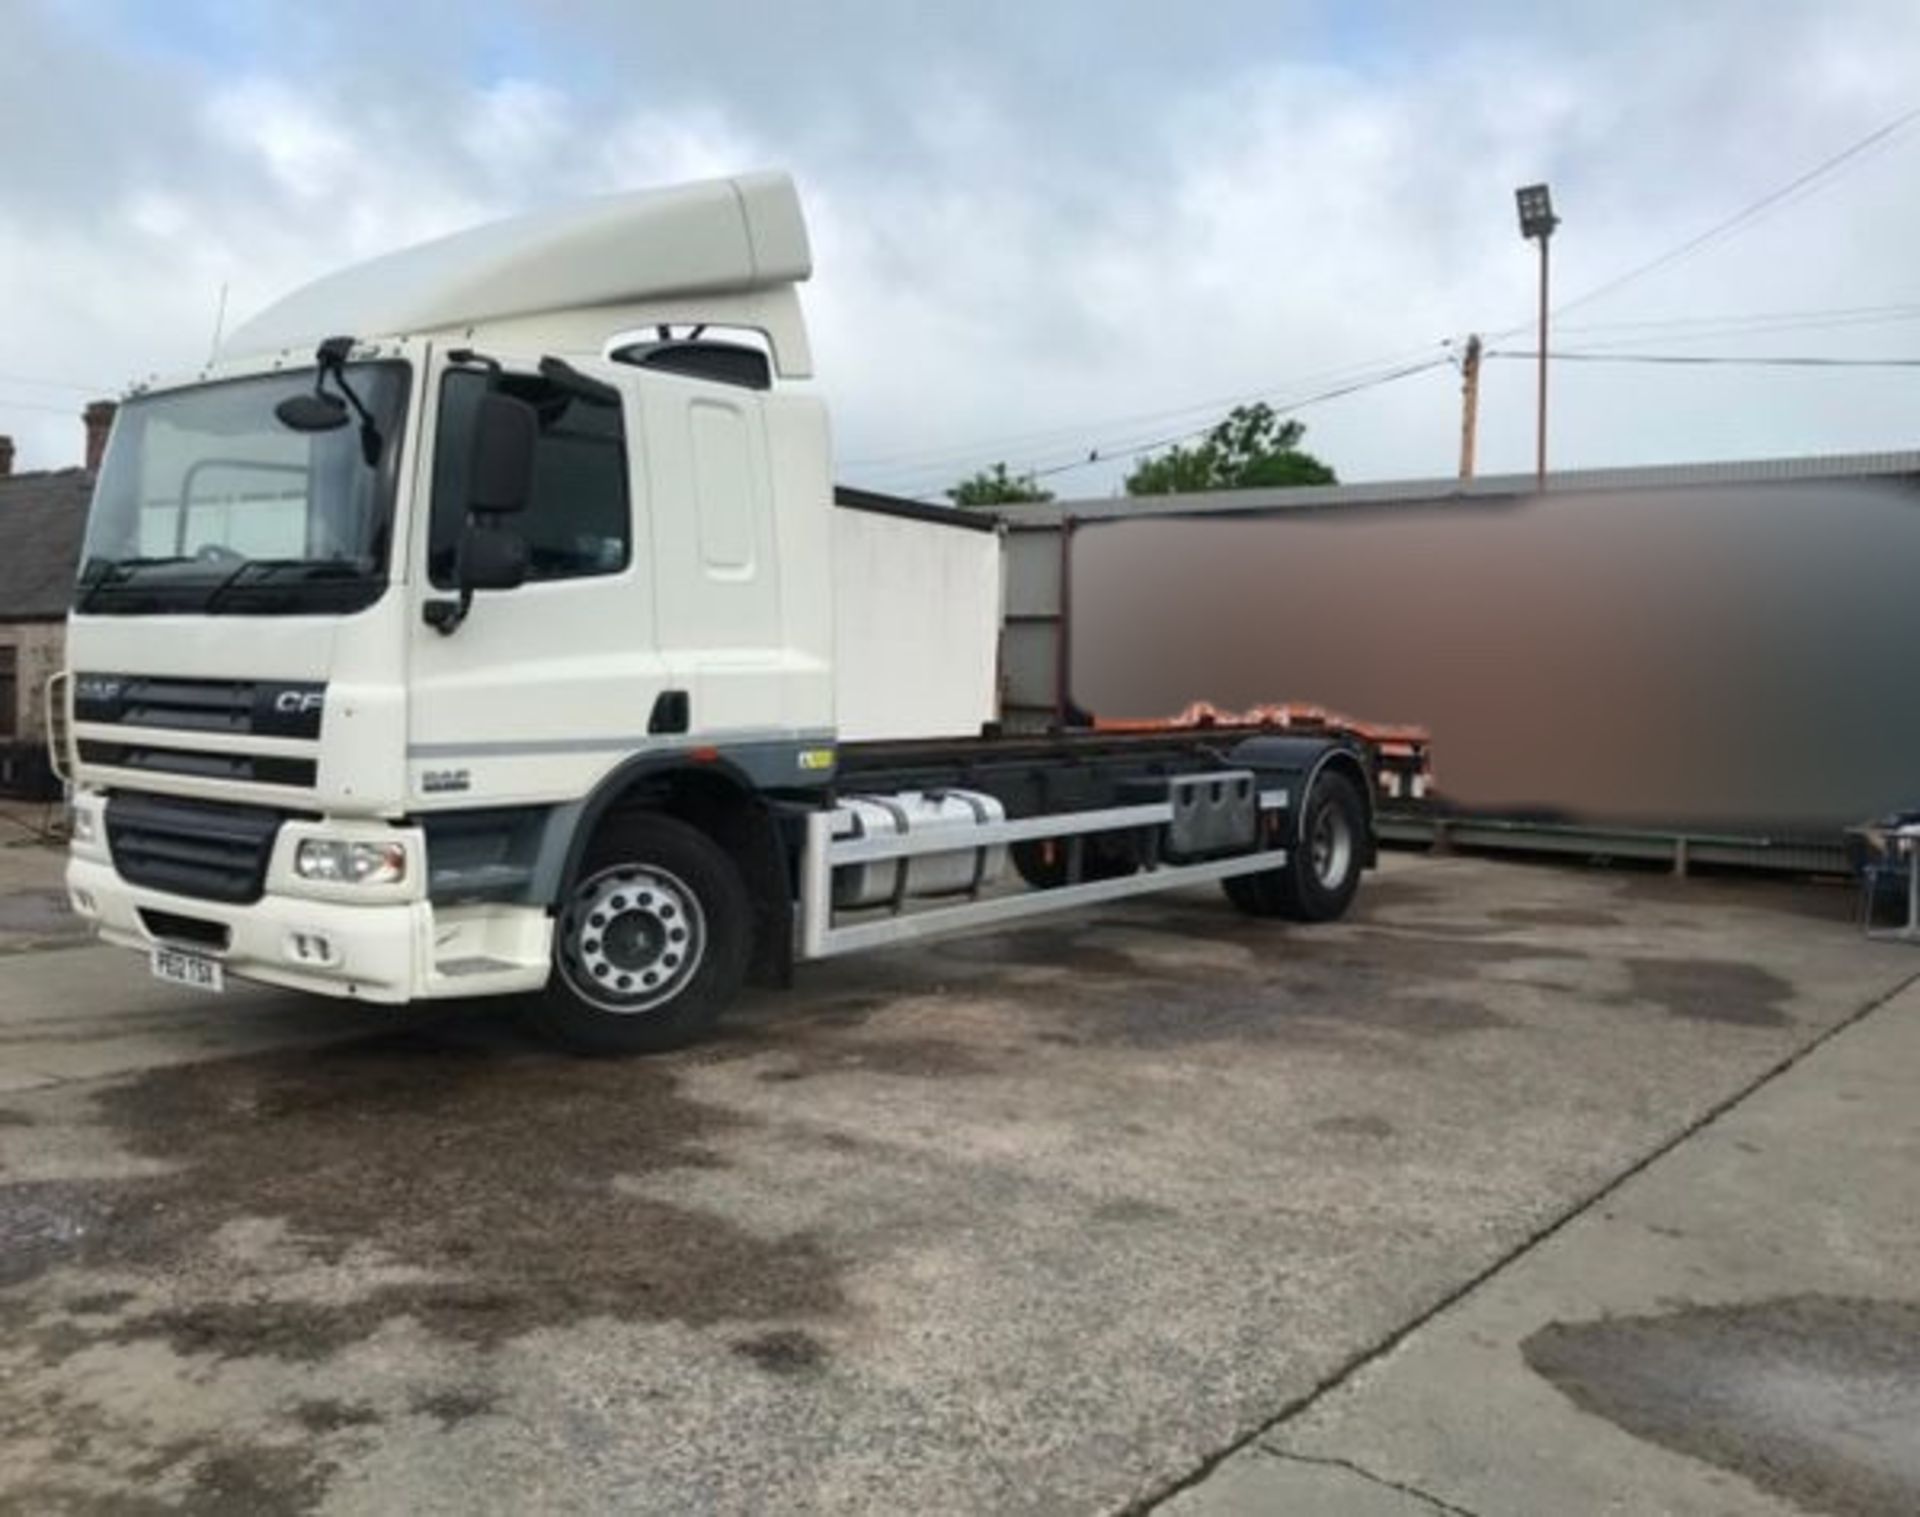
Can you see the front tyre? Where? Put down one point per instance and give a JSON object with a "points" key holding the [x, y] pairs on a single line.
{"points": [[1321, 875], [651, 943]]}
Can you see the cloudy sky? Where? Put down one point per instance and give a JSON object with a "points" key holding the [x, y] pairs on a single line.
{"points": [[1040, 228]]}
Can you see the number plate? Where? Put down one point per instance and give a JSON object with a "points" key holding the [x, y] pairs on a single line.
{"points": [[191, 969]]}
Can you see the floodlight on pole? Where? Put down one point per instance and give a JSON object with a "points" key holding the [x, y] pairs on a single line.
{"points": [[1537, 221], [1535, 202]]}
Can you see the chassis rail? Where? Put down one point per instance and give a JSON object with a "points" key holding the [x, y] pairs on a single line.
{"points": [[821, 938]]}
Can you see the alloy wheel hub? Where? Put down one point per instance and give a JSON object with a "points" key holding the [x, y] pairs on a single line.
{"points": [[631, 938], [1331, 847]]}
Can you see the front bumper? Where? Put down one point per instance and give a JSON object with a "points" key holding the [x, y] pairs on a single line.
{"points": [[386, 953]]}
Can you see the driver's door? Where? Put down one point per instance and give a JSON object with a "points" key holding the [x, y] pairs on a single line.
{"points": [[540, 689]]}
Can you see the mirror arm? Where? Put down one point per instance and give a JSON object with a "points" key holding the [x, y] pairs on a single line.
{"points": [[331, 357], [445, 616]]}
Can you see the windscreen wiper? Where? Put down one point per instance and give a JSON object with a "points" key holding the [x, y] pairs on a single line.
{"points": [[115, 571], [255, 570]]}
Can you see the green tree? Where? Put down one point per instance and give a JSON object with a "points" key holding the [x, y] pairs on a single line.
{"points": [[1251, 449], [996, 487]]}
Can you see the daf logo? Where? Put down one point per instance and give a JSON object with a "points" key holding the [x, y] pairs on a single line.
{"points": [[298, 702], [97, 689]]}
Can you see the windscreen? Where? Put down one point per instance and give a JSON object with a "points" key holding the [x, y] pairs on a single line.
{"points": [[208, 502]]}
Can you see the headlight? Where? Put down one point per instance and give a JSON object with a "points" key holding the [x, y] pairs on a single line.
{"points": [[351, 863]]}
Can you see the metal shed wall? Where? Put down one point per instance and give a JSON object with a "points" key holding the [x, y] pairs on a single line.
{"points": [[1721, 650]]}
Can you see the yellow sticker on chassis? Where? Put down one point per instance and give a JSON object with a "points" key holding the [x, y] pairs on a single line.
{"points": [[191, 969]]}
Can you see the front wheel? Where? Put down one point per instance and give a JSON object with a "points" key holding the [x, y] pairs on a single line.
{"points": [[1318, 881], [651, 943]]}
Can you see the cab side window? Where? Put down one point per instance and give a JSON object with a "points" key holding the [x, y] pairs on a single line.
{"points": [[578, 521]]}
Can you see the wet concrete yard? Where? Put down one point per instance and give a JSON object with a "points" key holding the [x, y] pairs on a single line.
{"points": [[1816, 1398], [1043, 1221]]}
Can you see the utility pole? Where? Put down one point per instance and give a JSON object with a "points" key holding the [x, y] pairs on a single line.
{"points": [[1469, 404], [1537, 222]]}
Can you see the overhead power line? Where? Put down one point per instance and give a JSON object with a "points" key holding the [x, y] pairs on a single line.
{"points": [[1802, 184], [1818, 316], [1064, 456], [1132, 446], [1791, 361], [1733, 333], [910, 469], [919, 460], [920, 465], [1107, 452]]}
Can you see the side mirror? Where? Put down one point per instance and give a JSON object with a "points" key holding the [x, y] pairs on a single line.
{"points": [[491, 558], [312, 413], [500, 473]]}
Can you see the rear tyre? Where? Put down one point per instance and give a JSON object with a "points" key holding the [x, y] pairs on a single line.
{"points": [[1318, 881], [651, 943]]}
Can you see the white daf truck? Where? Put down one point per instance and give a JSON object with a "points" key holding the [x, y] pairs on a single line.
{"points": [[483, 622]]}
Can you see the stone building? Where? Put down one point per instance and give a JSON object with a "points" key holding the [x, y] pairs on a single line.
{"points": [[43, 516]]}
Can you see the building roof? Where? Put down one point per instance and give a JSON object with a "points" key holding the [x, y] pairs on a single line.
{"points": [[1482, 487], [43, 518]]}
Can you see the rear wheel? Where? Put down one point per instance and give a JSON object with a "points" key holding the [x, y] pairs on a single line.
{"points": [[651, 943], [1318, 881]]}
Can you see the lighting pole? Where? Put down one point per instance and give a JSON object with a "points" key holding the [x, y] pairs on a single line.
{"points": [[1537, 222]]}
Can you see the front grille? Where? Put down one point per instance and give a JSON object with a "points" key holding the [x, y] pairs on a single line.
{"points": [[254, 768], [264, 708], [198, 848]]}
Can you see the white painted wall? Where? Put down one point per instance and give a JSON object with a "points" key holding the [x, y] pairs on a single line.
{"points": [[916, 627]]}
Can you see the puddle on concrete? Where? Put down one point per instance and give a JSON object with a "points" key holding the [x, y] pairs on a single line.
{"points": [[1502, 923], [1554, 916], [1805, 900], [852, 1035], [1132, 1211], [1277, 1008], [321, 1415], [1812, 1398], [486, 1173], [1297, 985], [41, 1225], [784, 1352], [244, 1480], [1380, 892], [223, 1477], [452, 1407], [1712, 990], [1361, 1125]]}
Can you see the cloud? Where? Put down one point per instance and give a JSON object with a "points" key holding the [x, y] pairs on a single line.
{"points": [[1037, 229]]}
